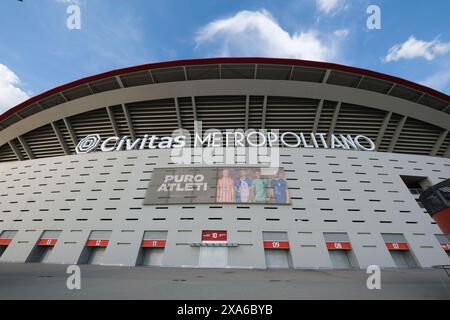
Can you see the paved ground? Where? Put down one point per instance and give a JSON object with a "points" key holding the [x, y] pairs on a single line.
{"points": [[43, 281]]}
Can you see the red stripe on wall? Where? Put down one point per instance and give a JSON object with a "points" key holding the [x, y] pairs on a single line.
{"points": [[397, 246], [153, 243], [5, 242], [339, 246], [47, 242], [276, 244], [214, 235], [97, 243]]}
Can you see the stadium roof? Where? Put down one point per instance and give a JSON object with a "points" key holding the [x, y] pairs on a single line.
{"points": [[230, 68]]}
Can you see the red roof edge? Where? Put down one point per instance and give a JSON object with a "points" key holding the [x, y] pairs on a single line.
{"points": [[224, 60]]}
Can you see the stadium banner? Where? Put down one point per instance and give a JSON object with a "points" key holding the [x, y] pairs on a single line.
{"points": [[200, 185]]}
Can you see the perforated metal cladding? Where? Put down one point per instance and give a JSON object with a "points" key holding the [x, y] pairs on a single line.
{"points": [[43, 142], [359, 193], [290, 114], [157, 117], [7, 154], [417, 137], [95, 121], [221, 112], [356, 120]]}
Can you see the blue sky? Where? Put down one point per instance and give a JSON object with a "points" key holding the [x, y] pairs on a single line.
{"points": [[38, 51]]}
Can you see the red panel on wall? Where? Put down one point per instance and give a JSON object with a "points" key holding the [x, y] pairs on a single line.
{"points": [[276, 244], [442, 219], [153, 243], [397, 246], [339, 246], [47, 242], [97, 243], [214, 235], [5, 242]]}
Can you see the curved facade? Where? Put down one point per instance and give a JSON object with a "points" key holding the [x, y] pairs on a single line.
{"points": [[347, 207]]}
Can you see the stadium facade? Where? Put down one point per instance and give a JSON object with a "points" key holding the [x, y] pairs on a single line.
{"points": [[226, 162]]}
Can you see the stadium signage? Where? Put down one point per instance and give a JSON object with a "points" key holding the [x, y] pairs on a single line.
{"points": [[201, 185], [270, 139]]}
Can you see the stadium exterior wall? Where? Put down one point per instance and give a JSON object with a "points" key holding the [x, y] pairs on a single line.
{"points": [[67, 183], [358, 194]]}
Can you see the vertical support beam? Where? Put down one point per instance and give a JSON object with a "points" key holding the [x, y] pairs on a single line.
{"points": [[129, 123], [334, 120], [317, 118], [15, 150], [391, 88], [326, 76], [420, 97], [397, 132], [90, 88], [60, 138], [119, 81], [291, 72], [26, 147], [359, 82], [264, 112], [194, 108], [72, 134], [383, 128], [439, 142], [151, 76], [177, 109], [63, 96], [185, 73], [220, 71], [256, 71], [112, 119], [247, 111]]}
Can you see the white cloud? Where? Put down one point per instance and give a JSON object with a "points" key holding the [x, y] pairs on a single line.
{"points": [[10, 92], [341, 32], [330, 6], [413, 48], [257, 33], [439, 80]]}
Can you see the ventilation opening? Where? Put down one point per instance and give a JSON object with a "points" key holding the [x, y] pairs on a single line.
{"points": [[44, 246], [403, 259], [95, 247], [152, 248], [212, 253], [40, 254], [276, 250], [92, 255], [399, 249], [340, 250], [150, 257], [278, 258], [2, 250]]}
